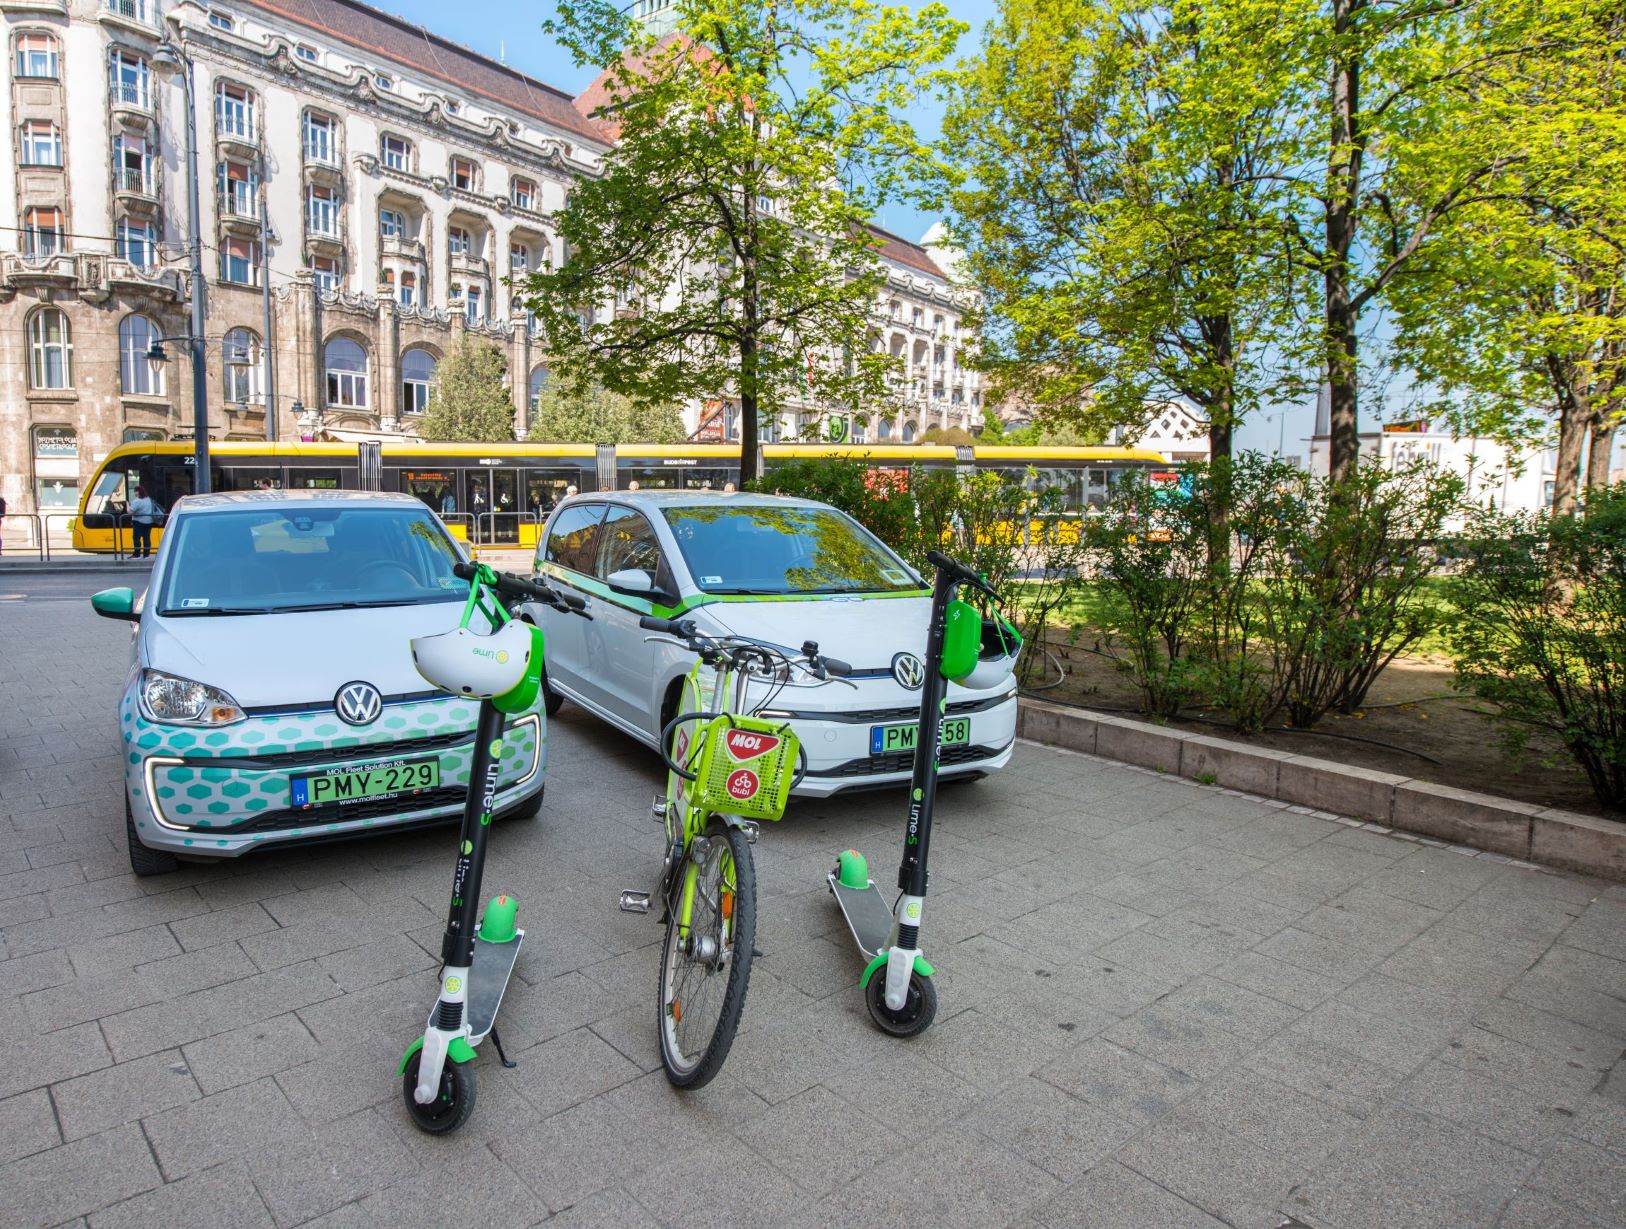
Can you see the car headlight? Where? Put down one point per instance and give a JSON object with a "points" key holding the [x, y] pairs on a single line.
{"points": [[177, 701]]}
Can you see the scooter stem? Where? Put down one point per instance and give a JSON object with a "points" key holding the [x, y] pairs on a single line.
{"points": [[912, 875], [457, 945]]}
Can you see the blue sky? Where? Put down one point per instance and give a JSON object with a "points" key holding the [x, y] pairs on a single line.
{"points": [[512, 31]]}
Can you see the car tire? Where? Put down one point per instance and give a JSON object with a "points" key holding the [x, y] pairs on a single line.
{"points": [[529, 809], [144, 861], [552, 701]]}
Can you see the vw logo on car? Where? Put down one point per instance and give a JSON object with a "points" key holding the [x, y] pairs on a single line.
{"points": [[909, 670], [358, 703]]}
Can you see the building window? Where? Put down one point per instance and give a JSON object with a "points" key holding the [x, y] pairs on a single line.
{"points": [[325, 273], [523, 193], [383, 82], [459, 242], [127, 78], [391, 225], [308, 54], [539, 381], [240, 261], [346, 364], [238, 190], [132, 10], [138, 375], [137, 243], [417, 374], [36, 55], [465, 175], [468, 298], [409, 289], [43, 233], [453, 106], [221, 22], [519, 259], [396, 153], [132, 165], [321, 210], [240, 352], [321, 139], [42, 143], [50, 349], [234, 111]]}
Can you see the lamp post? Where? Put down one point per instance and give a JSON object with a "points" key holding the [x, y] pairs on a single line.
{"points": [[171, 61]]}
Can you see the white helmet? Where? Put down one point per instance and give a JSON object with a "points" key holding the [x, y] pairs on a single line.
{"points": [[996, 662], [465, 664]]}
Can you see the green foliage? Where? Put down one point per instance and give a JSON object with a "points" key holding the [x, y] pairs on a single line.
{"points": [[1321, 586], [947, 435], [728, 219], [468, 400], [1542, 632], [598, 416]]}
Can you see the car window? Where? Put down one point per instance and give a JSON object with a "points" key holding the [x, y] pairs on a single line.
{"points": [[627, 540], [783, 549], [573, 538], [264, 560]]}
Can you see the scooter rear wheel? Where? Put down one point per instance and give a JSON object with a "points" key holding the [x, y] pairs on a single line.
{"points": [[919, 1005], [451, 1108]]}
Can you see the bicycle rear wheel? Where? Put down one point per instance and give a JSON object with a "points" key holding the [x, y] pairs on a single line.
{"points": [[706, 969]]}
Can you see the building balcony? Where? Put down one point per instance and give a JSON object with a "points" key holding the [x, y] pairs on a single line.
{"points": [[136, 16], [325, 242], [55, 8], [123, 276], [136, 191], [464, 262], [323, 167], [56, 269], [240, 211], [401, 249], [238, 140], [130, 107]]}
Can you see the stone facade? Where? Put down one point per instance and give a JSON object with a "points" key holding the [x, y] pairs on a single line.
{"points": [[402, 178]]}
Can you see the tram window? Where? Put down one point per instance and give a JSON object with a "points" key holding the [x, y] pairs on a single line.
{"points": [[648, 477], [546, 487], [436, 487], [709, 479], [314, 479], [109, 495], [249, 478]]}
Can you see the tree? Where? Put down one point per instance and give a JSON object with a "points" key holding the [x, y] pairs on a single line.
{"points": [[728, 221], [599, 416], [468, 400], [1116, 181]]}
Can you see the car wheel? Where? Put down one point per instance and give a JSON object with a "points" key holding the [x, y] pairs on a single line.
{"points": [[552, 701], [529, 809], [144, 861]]}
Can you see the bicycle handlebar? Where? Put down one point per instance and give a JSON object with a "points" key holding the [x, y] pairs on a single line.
{"points": [[508, 585], [684, 629]]}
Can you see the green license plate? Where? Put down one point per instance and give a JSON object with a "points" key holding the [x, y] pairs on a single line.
{"points": [[343, 785], [885, 739]]}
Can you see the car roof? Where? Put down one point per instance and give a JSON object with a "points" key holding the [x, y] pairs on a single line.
{"points": [[700, 499], [228, 501]]}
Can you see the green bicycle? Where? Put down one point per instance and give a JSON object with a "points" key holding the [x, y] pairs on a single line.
{"points": [[726, 772]]}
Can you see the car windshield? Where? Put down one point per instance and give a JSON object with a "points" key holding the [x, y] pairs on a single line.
{"points": [[773, 549], [269, 560]]}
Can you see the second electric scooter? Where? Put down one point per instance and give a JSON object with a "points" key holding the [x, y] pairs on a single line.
{"points": [[963, 647], [503, 666]]}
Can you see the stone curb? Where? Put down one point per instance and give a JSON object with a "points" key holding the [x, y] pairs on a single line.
{"points": [[1520, 830]]}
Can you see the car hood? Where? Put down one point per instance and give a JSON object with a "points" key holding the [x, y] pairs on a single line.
{"points": [[297, 658], [864, 632]]}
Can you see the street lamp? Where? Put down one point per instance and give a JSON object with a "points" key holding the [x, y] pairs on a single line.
{"points": [[170, 61]]}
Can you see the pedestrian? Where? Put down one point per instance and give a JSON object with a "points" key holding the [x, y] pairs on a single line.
{"points": [[2, 522], [144, 514], [571, 490], [633, 485], [448, 501], [729, 488]]}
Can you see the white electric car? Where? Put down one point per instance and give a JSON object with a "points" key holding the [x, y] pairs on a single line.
{"points": [[782, 570], [272, 697]]}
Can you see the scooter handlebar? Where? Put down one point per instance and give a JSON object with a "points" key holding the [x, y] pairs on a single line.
{"points": [[510, 586], [959, 571]]}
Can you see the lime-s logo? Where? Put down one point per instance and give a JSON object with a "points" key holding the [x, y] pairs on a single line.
{"points": [[912, 910], [453, 985]]}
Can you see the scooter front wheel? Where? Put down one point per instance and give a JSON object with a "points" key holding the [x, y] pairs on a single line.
{"points": [[919, 1005], [452, 1105]]}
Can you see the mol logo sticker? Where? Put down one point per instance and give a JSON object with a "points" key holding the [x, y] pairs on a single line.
{"points": [[743, 783], [748, 744]]}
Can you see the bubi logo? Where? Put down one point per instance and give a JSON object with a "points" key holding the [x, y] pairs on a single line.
{"points": [[743, 783], [747, 745]]}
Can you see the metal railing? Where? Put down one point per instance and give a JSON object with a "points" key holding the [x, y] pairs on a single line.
{"points": [[38, 544], [485, 526]]}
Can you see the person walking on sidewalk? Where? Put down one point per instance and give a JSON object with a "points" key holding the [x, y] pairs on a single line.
{"points": [[2, 523], [144, 514]]}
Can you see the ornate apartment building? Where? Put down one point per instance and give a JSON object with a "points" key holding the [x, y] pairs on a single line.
{"points": [[374, 182]]}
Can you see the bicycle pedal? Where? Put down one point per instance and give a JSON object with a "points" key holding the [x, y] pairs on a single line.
{"points": [[635, 902]]}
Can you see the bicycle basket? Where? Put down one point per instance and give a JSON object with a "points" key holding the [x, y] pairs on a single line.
{"points": [[745, 767]]}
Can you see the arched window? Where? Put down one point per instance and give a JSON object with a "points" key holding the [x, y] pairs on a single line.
{"points": [[127, 77], [50, 349], [138, 374], [417, 374], [539, 381], [346, 364], [234, 110], [244, 366], [908, 433], [36, 54]]}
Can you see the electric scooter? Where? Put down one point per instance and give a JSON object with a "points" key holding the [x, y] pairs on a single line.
{"points": [[504, 667], [897, 981]]}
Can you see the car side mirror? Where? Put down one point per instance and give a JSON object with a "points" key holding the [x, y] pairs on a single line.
{"points": [[115, 604], [635, 582]]}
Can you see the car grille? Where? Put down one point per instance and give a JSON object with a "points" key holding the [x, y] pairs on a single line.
{"points": [[903, 761], [372, 808], [868, 715], [388, 749]]}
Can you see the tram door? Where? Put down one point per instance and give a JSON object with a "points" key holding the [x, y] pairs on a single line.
{"points": [[503, 527]]}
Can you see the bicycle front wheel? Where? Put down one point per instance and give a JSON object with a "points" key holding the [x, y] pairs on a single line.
{"points": [[706, 965]]}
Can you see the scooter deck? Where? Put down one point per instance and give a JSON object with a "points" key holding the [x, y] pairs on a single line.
{"points": [[867, 914], [488, 978]]}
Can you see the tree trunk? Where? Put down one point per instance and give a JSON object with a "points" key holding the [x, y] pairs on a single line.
{"points": [[1573, 419], [1600, 449], [1344, 156]]}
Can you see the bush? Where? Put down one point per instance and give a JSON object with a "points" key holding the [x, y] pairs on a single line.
{"points": [[1542, 632]]}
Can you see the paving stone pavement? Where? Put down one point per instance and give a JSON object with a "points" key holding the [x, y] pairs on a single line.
{"points": [[1163, 1005]]}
